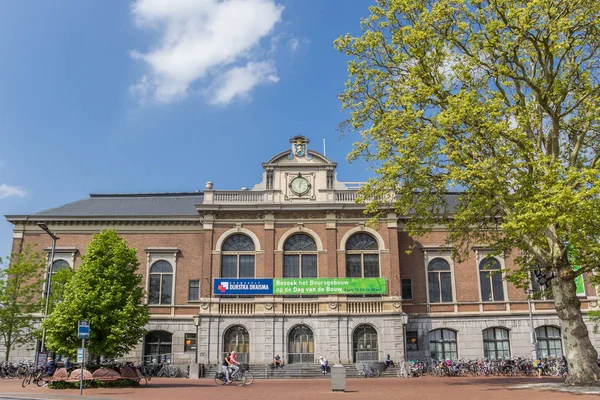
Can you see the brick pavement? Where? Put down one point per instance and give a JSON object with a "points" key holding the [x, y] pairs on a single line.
{"points": [[357, 389]]}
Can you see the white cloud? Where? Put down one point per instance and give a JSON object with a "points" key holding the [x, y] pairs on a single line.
{"points": [[8, 191], [238, 81], [202, 41]]}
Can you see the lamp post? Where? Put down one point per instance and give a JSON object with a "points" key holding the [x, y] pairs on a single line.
{"points": [[46, 293], [404, 323], [196, 319], [529, 292]]}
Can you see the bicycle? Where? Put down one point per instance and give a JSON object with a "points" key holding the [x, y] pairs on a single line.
{"points": [[237, 377], [368, 372], [32, 376], [168, 370]]}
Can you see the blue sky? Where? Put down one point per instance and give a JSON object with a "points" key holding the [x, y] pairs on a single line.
{"points": [[156, 96]]}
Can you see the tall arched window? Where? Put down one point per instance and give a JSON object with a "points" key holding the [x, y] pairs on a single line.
{"points": [[496, 343], [300, 257], [58, 265], [161, 283], [301, 345], [362, 256], [364, 340], [548, 342], [237, 339], [439, 277], [490, 277], [237, 259], [158, 346], [442, 344]]}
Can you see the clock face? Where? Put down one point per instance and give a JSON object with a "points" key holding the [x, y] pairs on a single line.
{"points": [[300, 185]]}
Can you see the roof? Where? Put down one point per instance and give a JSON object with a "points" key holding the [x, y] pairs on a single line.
{"points": [[140, 204]]}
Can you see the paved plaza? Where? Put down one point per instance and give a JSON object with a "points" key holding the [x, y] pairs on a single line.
{"points": [[384, 388]]}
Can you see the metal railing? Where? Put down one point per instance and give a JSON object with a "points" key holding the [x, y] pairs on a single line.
{"points": [[362, 356], [301, 358]]}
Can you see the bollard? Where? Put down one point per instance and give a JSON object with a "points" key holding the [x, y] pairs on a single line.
{"points": [[338, 378]]}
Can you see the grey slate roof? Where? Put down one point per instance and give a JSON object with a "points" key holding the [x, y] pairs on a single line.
{"points": [[163, 204]]}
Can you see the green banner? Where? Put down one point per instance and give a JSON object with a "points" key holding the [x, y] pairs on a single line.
{"points": [[573, 256], [323, 286]]}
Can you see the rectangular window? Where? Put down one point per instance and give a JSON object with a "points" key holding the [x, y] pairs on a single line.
{"points": [[371, 265], [247, 266], [229, 267], [154, 289], [167, 289], [194, 290], [412, 340], [309, 266], [189, 342], [291, 266], [353, 266], [407, 289]]}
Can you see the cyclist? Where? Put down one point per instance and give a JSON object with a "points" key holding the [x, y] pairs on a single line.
{"points": [[233, 364], [225, 367]]}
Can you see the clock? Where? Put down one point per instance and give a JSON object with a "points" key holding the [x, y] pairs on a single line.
{"points": [[300, 185]]}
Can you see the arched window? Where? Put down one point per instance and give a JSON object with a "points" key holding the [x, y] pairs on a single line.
{"points": [[548, 342], [442, 344], [439, 278], [362, 256], [364, 341], [300, 257], [496, 343], [58, 265], [237, 260], [161, 283], [301, 345], [490, 277], [237, 339], [158, 346]]}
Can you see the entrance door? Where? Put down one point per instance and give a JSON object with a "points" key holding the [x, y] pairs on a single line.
{"points": [[237, 339], [301, 346], [364, 342]]}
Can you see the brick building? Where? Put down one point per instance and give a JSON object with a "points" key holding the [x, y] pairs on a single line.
{"points": [[299, 222]]}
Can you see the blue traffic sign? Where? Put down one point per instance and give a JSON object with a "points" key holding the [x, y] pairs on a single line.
{"points": [[83, 329]]}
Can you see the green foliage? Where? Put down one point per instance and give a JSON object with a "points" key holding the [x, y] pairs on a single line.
{"points": [[93, 384], [20, 286], [105, 290], [497, 100], [59, 281]]}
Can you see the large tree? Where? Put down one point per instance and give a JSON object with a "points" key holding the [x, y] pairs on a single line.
{"points": [[107, 291], [21, 282], [499, 101]]}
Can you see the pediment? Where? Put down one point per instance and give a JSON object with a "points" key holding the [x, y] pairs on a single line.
{"points": [[286, 158]]}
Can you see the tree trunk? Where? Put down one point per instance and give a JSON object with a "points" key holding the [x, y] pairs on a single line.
{"points": [[581, 355]]}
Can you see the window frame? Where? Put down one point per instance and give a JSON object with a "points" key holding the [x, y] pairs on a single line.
{"points": [[238, 255], [193, 345], [495, 342], [190, 290], [490, 279], [402, 282], [362, 253], [547, 339], [409, 345], [439, 272], [161, 275], [444, 342], [300, 254]]}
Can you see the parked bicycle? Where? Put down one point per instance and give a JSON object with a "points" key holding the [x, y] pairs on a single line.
{"points": [[368, 371]]}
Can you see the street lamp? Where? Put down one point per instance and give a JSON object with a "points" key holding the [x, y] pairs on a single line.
{"points": [[404, 323], [46, 293], [196, 319], [529, 293]]}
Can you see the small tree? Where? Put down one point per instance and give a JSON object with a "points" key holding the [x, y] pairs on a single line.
{"points": [[498, 100], [105, 290], [21, 284]]}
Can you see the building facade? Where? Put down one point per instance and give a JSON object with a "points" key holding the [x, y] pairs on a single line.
{"points": [[301, 222]]}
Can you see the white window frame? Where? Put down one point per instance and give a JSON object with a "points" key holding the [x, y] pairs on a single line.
{"points": [[153, 255], [431, 253], [480, 255]]}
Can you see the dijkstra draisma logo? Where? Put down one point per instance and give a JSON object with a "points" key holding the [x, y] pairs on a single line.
{"points": [[223, 287]]}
